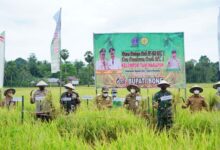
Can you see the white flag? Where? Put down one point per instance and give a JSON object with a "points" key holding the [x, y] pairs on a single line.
{"points": [[219, 37], [2, 58], [56, 44]]}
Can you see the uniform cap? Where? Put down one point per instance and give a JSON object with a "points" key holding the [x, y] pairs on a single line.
{"points": [[114, 90], [105, 89]]}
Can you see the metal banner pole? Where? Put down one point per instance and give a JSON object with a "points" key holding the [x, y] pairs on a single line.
{"points": [[22, 110]]}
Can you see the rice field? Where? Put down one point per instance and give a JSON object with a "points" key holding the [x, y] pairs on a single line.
{"points": [[110, 129]]}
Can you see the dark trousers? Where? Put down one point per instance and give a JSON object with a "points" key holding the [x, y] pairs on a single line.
{"points": [[164, 119], [44, 117]]}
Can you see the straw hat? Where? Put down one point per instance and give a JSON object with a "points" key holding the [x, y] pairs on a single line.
{"points": [[10, 89], [216, 85], [132, 86], [41, 83], [69, 86], [163, 82], [196, 87]]}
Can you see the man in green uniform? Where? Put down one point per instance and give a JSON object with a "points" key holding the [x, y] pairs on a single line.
{"points": [[162, 101], [196, 102], [215, 100], [133, 99], [70, 99], [103, 100], [43, 100]]}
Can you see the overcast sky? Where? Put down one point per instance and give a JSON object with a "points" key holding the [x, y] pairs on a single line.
{"points": [[29, 24]]}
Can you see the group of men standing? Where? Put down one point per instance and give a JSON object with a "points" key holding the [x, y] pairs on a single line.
{"points": [[163, 101]]}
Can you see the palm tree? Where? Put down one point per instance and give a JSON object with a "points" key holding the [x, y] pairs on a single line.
{"points": [[89, 59], [64, 55]]}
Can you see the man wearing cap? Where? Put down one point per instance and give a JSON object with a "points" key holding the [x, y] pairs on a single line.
{"points": [[116, 102], [215, 100], [102, 63], [196, 102], [114, 92], [8, 100], [173, 62], [103, 101], [43, 100], [114, 63], [69, 99], [133, 99], [162, 101]]}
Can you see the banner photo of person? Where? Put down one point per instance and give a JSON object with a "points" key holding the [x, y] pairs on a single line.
{"points": [[143, 59]]}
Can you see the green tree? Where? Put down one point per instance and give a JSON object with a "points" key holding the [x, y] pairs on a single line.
{"points": [[78, 65], [33, 66], [64, 55], [89, 59]]}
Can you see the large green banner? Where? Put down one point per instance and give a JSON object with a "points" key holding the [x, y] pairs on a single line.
{"points": [[143, 59]]}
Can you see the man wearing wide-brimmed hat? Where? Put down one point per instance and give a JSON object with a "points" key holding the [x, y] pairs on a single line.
{"points": [[162, 101], [133, 99], [215, 100], [8, 100], [70, 99], [196, 102], [43, 100], [103, 100]]}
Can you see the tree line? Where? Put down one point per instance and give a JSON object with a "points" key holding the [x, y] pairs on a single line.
{"points": [[24, 73]]}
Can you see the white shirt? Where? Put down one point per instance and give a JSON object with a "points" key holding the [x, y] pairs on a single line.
{"points": [[102, 65], [114, 64], [173, 63]]}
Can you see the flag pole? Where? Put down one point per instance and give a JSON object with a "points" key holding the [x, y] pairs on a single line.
{"points": [[219, 43], [3, 67], [60, 56]]}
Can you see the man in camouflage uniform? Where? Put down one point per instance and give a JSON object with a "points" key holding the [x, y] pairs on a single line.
{"points": [[133, 99], [162, 101], [103, 100], [70, 99], [214, 104], [196, 102], [43, 100]]}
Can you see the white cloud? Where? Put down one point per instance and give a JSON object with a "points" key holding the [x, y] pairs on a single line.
{"points": [[29, 24]]}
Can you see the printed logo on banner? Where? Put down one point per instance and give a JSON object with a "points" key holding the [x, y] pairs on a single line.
{"points": [[144, 41], [135, 41]]}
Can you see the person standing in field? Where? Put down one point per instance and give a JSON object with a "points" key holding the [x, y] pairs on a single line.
{"points": [[114, 63], [44, 103], [8, 100], [102, 63], [196, 102], [133, 99], [70, 99], [162, 101], [103, 100], [214, 103], [114, 93]]}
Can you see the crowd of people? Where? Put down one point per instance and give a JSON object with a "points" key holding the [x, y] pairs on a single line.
{"points": [[162, 101]]}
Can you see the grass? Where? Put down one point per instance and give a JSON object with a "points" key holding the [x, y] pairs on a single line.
{"points": [[110, 129]]}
